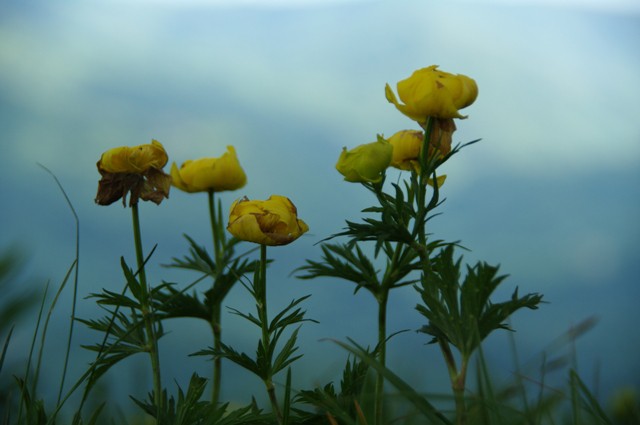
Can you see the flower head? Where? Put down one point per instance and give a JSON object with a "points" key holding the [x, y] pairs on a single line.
{"points": [[407, 144], [136, 170], [271, 222], [365, 163], [136, 159], [210, 174], [429, 92]]}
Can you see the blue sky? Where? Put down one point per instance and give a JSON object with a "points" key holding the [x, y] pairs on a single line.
{"points": [[551, 193]]}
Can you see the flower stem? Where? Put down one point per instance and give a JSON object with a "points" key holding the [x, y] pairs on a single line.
{"points": [[215, 308], [146, 314], [261, 300], [217, 362], [214, 227], [382, 354], [458, 379]]}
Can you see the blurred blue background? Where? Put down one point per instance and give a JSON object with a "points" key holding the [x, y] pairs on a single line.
{"points": [[551, 193]]}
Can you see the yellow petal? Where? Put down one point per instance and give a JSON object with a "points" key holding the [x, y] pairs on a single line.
{"points": [[136, 159], [429, 92], [270, 222], [213, 174]]}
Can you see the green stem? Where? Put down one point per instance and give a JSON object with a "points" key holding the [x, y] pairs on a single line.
{"points": [[215, 308], [261, 299], [457, 378], [146, 314], [382, 355], [421, 190], [214, 227], [217, 362]]}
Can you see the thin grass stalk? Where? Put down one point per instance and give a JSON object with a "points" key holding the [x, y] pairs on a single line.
{"points": [[75, 284], [31, 349], [518, 374], [146, 313], [46, 326]]}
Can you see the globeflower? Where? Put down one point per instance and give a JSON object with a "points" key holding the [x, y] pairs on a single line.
{"points": [[210, 174], [407, 144], [429, 92], [365, 163], [136, 170], [271, 222]]}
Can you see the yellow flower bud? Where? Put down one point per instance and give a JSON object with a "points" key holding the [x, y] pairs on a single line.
{"points": [[133, 170], [429, 92], [271, 222], [210, 174], [407, 144], [365, 163], [136, 159]]}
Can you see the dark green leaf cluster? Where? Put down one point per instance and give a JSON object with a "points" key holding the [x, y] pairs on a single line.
{"points": [[349, 262], [462, 313], [269, 360], [122, 327], [340, 405], [226, 271], [189, 409]]}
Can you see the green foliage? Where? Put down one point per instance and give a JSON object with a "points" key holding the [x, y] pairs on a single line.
{"points": [[190, 409], [269, 360], [226, 271], [342, 405], [459, 309], [463, 314]]}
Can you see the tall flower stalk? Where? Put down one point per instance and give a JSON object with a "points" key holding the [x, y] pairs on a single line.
{"points": [[137, 172], [147, 311], [272, 222], [213, 175], [263, 317], [216, 313]]}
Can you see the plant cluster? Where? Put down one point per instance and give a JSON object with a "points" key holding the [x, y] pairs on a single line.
{"points": [[391, 247]]}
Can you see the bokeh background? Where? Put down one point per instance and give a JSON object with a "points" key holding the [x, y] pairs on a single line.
{"points": [[551, 192]]}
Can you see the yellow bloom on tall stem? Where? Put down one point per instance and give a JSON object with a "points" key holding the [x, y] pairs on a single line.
{"points": [[210, 174], [429, 92], [136, 170], [213, 175], [271, 222], [365, 163]]}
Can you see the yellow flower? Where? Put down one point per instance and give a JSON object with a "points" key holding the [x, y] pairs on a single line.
{"points": [[429, 92], [407, 144], [136, 159], [210, 174], [365, 163], [271, 222], [133, 170]]}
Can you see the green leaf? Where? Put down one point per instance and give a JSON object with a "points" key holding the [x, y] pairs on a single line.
{"points": [[463, 313], [241, 359], [286, 357], [345, 262]]}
